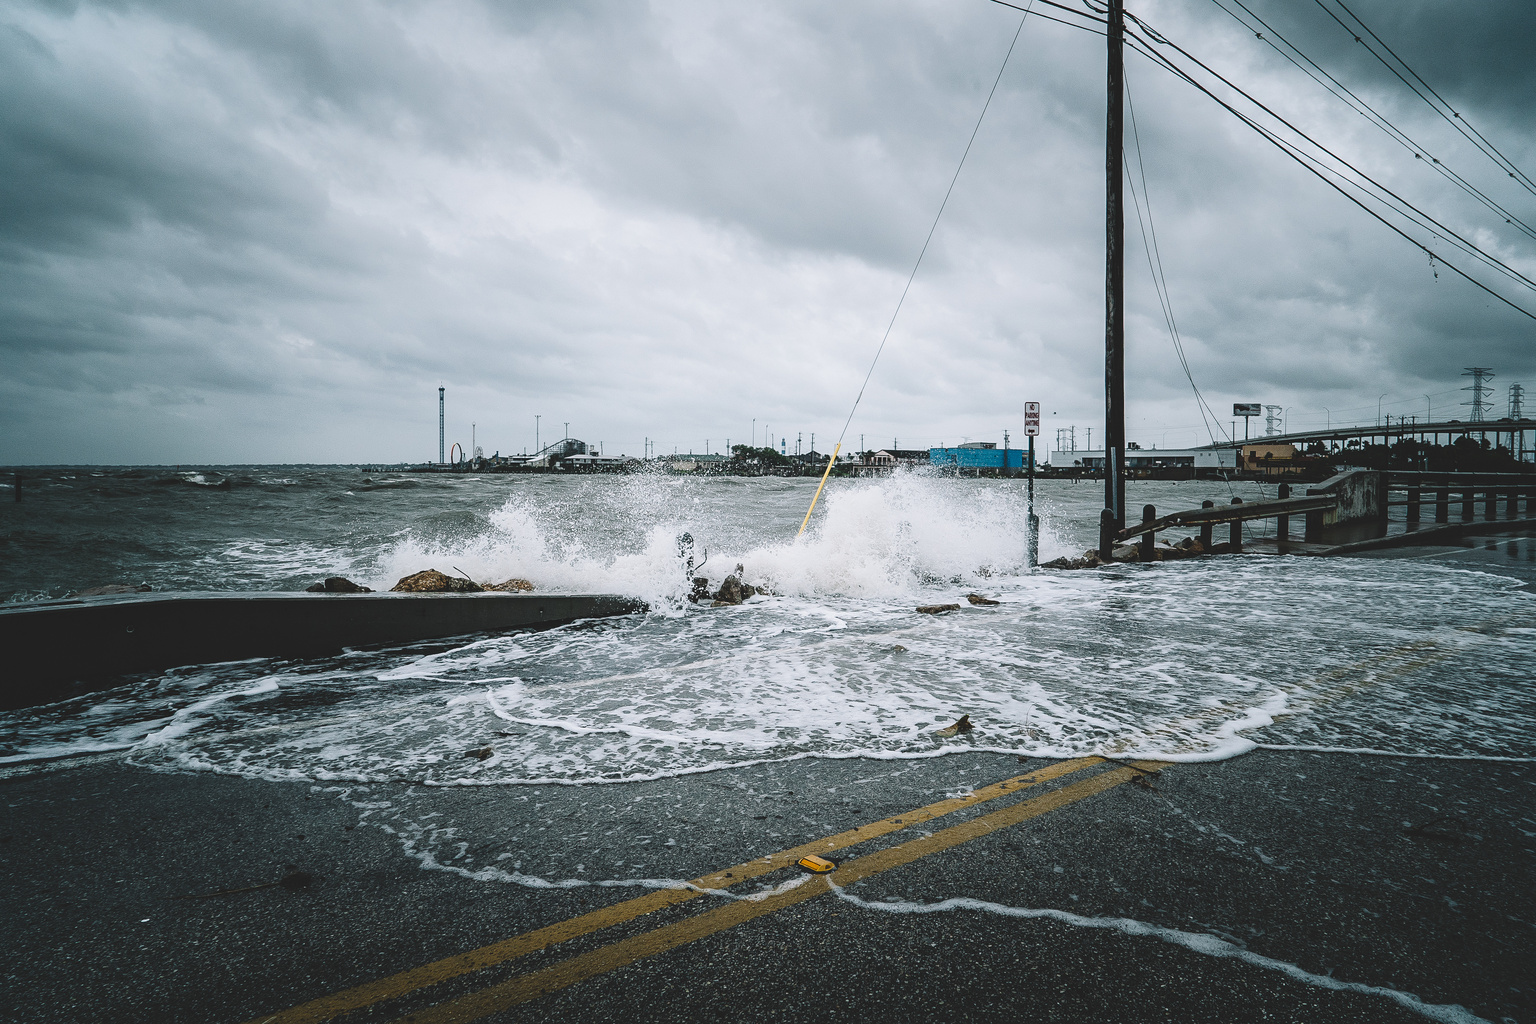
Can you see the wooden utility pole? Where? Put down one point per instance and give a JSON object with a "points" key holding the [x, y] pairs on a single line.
{"points": [[1114, 275]]}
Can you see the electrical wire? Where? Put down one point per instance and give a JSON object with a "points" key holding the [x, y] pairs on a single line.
{"points": [[924, 251], [1454, 119], [1312, 164], [1155, 265], [1059, 21], [1313, 70], [1393, 200]]}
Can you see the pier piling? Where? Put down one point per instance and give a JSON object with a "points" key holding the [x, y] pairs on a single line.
{"points": [[1107, 530], [1443, 505], [1148, 514], [1237, 529], [1283, 523], [1205, 528]]}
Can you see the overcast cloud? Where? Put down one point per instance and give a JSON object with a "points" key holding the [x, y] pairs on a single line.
{"points": [[252, 232]]}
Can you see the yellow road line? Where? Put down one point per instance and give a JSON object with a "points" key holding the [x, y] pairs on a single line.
{"points": [[397, 985], [627, 951]]}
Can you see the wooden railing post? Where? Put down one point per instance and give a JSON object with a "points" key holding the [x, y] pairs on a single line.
{"points": [[1205, 528], [1237, 529], [1513, 510], [1148, 513], [1466, 505], [1283, 523], [1413, 507], [1443, 505], [1490, 503]]}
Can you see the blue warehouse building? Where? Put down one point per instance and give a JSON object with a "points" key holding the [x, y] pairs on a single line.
{"points": [[983, 455]]}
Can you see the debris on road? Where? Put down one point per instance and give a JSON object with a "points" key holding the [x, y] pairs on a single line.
{"points": [[293, 881], [962, 725]]}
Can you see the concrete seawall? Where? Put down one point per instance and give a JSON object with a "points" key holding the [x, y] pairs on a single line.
{"points": [[54, 649]]}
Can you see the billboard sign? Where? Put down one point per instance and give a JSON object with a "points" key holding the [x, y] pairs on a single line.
{"points": [[1247, 409], [1032, 418]]}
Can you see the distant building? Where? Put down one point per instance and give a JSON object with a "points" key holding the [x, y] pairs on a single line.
{"points": [[892, 457], [591, 460], [1150, 458], [976, 455], [1269, 459], [693, 463]]}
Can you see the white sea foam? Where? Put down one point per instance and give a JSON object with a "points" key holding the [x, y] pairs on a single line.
{"points": [[1183, 661], [1198, 942]]}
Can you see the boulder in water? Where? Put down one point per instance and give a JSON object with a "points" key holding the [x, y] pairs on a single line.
{"points": [[338, 585], [430, 581], [733, 591], [979, 599], [513, 586], [1090, 560], [937, 609]]}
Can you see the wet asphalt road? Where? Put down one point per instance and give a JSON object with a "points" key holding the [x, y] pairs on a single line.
{"points": [[1412, 875]]}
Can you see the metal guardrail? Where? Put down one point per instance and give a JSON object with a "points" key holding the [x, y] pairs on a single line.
{"points": [[1490, 492], [1237, 512], [1209, 515], [1443, 491]]}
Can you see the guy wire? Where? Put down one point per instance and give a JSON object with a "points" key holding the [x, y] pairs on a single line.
{"points": [[923, 252]]}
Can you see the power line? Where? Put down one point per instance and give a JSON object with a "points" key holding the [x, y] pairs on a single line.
{"points": [[932, 228], [1454, 119], [1143, 46], [1155, 265], [1351, 99], [1394, 201], [1070, 10]]}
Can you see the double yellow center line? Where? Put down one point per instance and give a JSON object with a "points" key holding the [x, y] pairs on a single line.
{"points": [[627, 951]]}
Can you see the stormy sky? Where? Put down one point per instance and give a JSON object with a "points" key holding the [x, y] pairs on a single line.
{"points": [[266, 232]]}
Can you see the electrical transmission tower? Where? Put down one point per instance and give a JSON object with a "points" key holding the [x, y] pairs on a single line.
{"points": [[1479, 389], [1516, 392], [1272, 420]]}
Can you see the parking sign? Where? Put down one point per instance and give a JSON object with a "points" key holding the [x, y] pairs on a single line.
{"points": [[1032, 418]]}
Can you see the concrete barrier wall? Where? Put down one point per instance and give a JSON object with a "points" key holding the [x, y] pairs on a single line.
{"points": [[53, 649], [1361, 512]]}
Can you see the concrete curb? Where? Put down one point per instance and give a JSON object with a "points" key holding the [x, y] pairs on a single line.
{"points": [[58, 648]]}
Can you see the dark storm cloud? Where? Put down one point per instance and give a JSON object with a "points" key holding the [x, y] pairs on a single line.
{"points": [[266, 230]]}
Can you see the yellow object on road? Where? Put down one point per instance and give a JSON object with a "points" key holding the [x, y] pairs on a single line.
{"points": [[817, 865]]}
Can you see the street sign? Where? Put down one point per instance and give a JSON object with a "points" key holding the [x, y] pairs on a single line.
{"points": [[1032, 418], [1247, 408]]}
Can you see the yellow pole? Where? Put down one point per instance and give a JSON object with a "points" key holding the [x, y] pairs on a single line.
{"points": [[830, 463]]}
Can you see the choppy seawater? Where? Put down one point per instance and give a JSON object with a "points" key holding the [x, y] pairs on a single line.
{"points": [[1188, 660]]}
